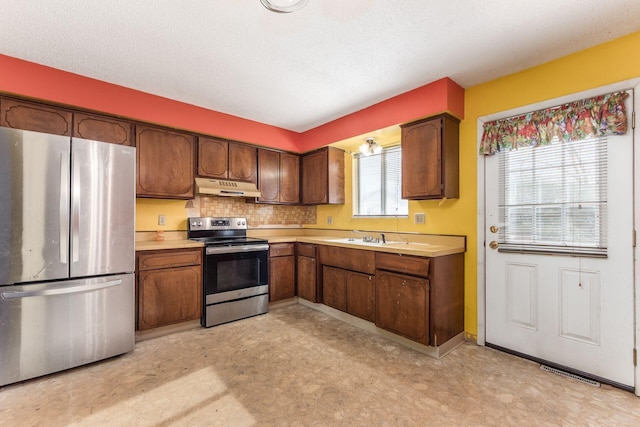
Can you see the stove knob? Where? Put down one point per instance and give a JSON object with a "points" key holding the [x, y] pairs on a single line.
{"points": [[239, 223], [243, 223], [200, 223]]}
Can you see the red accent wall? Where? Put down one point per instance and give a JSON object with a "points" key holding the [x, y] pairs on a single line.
{"points": [[436, 97], [28, 79], [37, 81]]}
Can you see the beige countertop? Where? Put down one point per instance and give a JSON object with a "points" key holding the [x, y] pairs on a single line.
{"points": [[408, 244], [154, 245], [425, 249]]}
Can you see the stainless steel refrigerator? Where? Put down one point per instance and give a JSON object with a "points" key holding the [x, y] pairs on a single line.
{"points": [[67, 236]]}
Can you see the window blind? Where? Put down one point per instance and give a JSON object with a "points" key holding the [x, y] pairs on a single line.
{"points": [[553, 199], [378, 178]]}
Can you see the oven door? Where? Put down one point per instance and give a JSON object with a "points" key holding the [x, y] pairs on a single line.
{"points": [[231, 268]]}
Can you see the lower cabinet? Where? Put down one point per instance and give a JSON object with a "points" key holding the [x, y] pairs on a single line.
{"points": [[334, 287], [349, 291], [169, 287], [307, 272], [402, 305], [361, 295], [282, 271]]}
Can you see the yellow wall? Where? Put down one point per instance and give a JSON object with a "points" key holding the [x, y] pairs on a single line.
{"points": [[147, 211], [601, 65]]}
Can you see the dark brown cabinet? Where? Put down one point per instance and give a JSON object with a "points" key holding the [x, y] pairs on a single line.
{"points": [[402, 305], [420, 298], [102, 128], [278, 177], [307, 272], [430, 158], [35, 117], [348, 283], [282, 271], [361, 295], [323, 176], [168, 287], [166, 163], [223, 159]]}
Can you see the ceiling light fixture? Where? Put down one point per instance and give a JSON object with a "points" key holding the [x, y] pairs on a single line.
{"points": [[370, 147], [284, 6]]}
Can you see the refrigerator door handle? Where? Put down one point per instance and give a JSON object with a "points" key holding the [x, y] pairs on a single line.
{"points": [[64, 207], [75, 212], [58, 291]]}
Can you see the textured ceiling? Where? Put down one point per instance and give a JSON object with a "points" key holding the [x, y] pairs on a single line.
{"points": [[301, 70]]}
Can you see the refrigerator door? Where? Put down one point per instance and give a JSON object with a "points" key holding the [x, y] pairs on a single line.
{"points": [[48, 327], [103, 192], [34, 206]]}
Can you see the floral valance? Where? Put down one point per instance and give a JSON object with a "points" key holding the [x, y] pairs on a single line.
{"points": [[593, 117]]}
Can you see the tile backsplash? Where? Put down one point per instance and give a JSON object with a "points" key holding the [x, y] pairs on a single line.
{"points": [[257, 214]]}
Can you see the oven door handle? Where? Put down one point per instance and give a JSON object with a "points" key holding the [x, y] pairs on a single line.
{"points": [[220, 250]]}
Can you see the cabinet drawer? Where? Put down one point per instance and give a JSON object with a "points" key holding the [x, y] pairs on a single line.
{"points": [[307, 249], [349, 259], [416, 266], [281, 249], [169, 258]]}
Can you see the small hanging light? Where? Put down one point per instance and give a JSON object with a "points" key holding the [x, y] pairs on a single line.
{"points": [[284, 6], [370, 147]]}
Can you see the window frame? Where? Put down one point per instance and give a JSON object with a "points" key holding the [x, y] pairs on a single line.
{"points": [[383, 177]]}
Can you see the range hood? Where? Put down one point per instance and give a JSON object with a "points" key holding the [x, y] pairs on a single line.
{"points": [[219, 187]]}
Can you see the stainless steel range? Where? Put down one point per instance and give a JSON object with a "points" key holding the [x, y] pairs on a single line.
{"points": [[236, 270]]}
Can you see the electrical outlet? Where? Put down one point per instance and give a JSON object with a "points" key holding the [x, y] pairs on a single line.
{"points": [[419, 218], [162, 220], [330, 220]]}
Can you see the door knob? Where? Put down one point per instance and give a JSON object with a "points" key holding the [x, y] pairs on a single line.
{"points": [[493, 245], [493, 229]]}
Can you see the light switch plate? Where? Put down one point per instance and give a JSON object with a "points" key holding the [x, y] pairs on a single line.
{"points": [[330, 220], [162, 220], [419, 218]]}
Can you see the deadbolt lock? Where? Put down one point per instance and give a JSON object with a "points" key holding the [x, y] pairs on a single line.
{"points": [[493, 229], [493, 245]]}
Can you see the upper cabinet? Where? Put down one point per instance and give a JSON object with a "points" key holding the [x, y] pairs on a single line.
{"points": [[430, 158], [26, 115], [101, 128], [222, 159], [323, 176], [278, 177], [166, 163]]}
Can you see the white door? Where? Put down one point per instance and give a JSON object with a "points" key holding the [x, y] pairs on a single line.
{"points": [[574, 310]]}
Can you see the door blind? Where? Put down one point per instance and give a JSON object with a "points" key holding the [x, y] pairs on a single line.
{"points": [[553, 199]]}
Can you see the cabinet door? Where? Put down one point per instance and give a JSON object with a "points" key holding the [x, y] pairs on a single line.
{"points": [[101, 128], [281, 278], [315, 178], [421, 160], [213, 158], [306, 279], [243, 162], [268, 175], [166, 163], [402, 305], [430, 152], [289, 178], [334, 287], [360, 295], [167, 296], [35, 117]]}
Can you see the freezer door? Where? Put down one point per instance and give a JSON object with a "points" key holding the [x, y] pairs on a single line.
{"points": [[34, 206], [102, 208], [49, 327]]}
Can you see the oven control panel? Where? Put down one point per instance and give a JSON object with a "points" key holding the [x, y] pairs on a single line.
{"points": [[211, 223]]}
